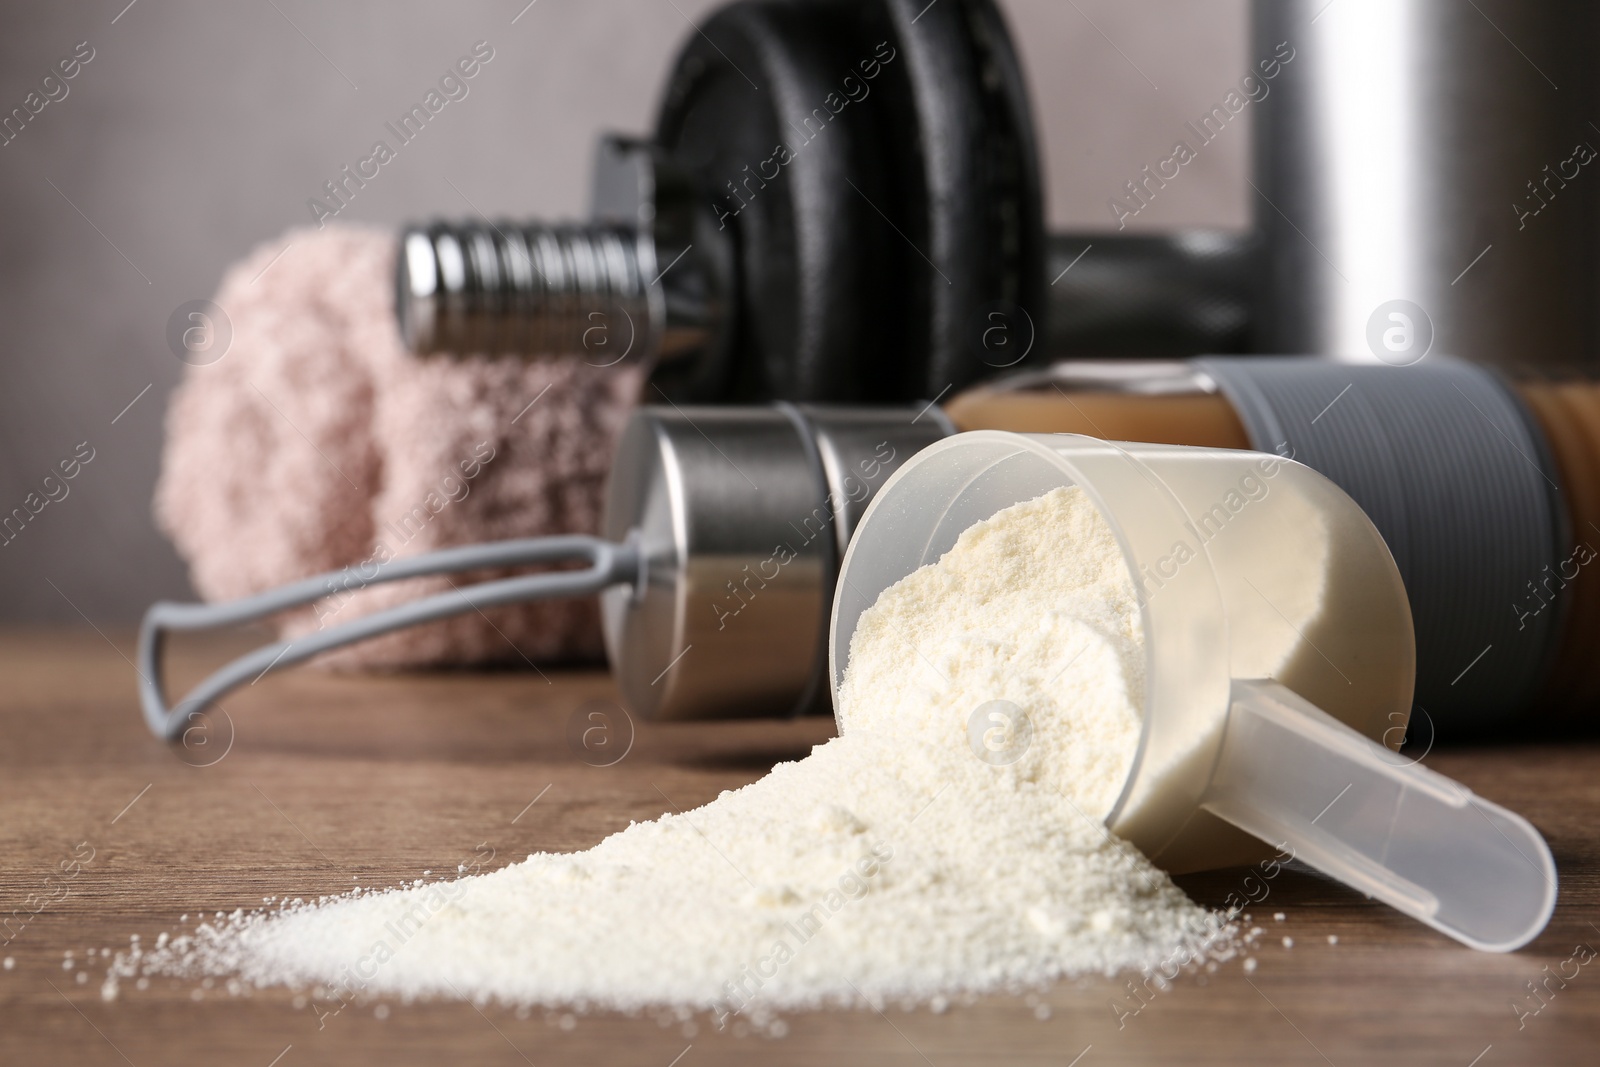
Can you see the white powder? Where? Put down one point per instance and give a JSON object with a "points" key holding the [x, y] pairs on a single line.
{"points": [[1034, 607], [893, 863]]}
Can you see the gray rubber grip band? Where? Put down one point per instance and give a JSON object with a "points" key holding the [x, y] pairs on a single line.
{"points": [[1455, 474]]}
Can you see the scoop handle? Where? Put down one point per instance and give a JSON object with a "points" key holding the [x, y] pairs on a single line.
{"points": [[1294, 776]]}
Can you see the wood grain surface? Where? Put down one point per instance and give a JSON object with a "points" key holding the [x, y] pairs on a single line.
{"points": [[328, 781]]}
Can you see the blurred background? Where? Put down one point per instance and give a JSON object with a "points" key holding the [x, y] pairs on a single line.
{"points": [[198, 131]]}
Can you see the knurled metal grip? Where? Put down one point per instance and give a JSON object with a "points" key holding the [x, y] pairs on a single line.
{"points": [[529, 287]]}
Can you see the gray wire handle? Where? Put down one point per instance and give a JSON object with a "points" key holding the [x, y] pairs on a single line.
{"points": [[609, 564]]}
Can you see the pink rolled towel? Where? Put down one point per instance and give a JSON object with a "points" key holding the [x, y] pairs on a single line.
{"points": [[318, 442]]}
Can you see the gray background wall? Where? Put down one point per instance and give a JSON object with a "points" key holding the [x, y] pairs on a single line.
{"points": [[200, 129]]}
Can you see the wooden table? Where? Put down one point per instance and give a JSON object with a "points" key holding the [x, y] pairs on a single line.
{"points": [[332, 779]]}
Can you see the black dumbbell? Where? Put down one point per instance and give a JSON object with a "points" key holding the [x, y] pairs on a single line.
{"points": [[841, 202]]}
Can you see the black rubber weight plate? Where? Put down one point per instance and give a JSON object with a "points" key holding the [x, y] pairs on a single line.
{"points": [[892, 246], [981, 224], [754, 110]]}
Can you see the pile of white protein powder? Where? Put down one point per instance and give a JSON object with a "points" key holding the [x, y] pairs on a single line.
{"points": [[950, 842]]}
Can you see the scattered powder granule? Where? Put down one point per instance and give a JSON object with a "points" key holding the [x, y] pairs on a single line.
{"points": [[891, 865]]}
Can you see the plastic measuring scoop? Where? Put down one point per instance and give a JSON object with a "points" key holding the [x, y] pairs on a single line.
{"points": [[1279, 670]]}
